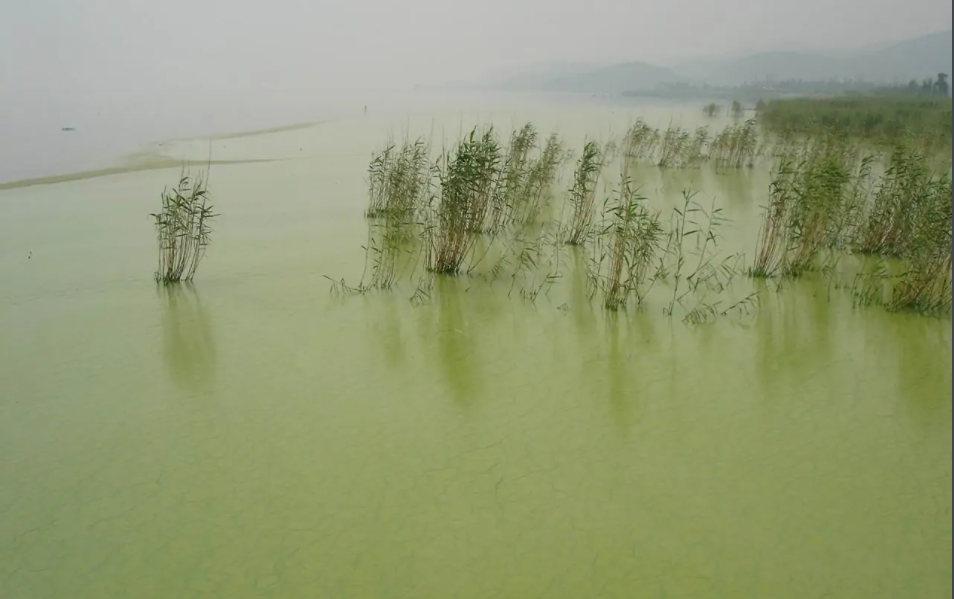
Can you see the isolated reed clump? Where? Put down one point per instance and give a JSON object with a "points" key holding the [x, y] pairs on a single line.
{"points": [[712, 110], [698, 274], [925, 286], [510, 195], [821, 186], [378, 176], [905, 205], [183, 229], [695, 151], [639, 141], [626, 247], [735, 146], [538, 183], [398, 178], [467, 181], [518, 157], [814, 197], [771, 248], [477, 174], [737, 109], [675, 142], [582, 195]]}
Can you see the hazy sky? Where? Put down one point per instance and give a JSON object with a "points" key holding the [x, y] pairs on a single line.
{"points": [[136, 44]]}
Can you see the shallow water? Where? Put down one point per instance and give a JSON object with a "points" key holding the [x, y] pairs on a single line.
{"points": [[253, 436], [113, 128]]}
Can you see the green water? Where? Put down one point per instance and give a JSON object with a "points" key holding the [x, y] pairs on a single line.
{"points": [[255, 437]]}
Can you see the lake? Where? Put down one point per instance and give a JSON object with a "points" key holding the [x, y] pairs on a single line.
{"points": [[253, 435]]}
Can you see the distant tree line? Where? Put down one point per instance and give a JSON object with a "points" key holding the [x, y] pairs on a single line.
{"points": [[929, 87], [782, 87], [767, 89]]}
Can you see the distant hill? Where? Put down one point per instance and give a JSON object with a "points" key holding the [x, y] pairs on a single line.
{"points": [[614, 79], [911, 59], [535, 76], [899, 62]]}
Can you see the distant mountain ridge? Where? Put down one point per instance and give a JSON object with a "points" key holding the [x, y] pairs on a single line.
{"points": [[535, 77], [615, 79], [899, 62]]}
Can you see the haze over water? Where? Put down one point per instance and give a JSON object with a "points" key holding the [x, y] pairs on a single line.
{"points": [[111, 127]]}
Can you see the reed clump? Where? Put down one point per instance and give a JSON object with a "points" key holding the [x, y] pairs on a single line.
{"points": [[814, 198], [434, 214], [398, 178], [639, 141], [737, 109], [582, 195], [626, 247], [773, 238], [925, 285], [691, 261], [712, 110], [673, 146], [735, 146], [905, 205], [183, 228], [468, 178], [695, 151], [681, 148], [511, 197], [821, 195], [537, 189]]}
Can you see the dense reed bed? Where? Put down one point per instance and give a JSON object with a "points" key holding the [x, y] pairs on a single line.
{"points": [[491, 208], [734, 146], [494, 211], [828, 201], [882, 119]]}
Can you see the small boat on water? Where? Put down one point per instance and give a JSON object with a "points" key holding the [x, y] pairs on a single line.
{"points": [[67, 129]]}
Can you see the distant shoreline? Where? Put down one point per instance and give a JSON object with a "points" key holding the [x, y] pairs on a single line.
{"points": [[253, 132], [157, 162], [152, 165]]}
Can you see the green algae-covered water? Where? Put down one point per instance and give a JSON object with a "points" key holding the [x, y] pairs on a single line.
{"points": [[253, 436]]}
